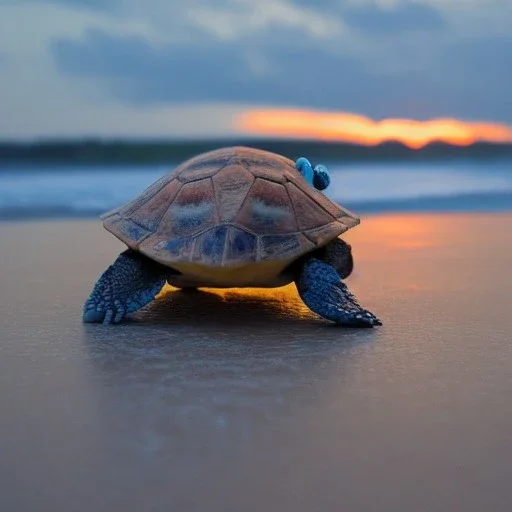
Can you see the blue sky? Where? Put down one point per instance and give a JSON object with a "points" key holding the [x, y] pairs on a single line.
{"points": [[168, 67]]}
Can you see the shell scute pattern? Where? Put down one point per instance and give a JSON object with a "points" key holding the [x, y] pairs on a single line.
{"points": [[267, 209], [130, 233], [206, 170], [267, 168], [277, 247], [231, 184], [323, 234], [321, 201], [205, 166], [149, 215], [138, 201], [241, 247], [209, 246], [309, 214], [166, 250], [229, 207], [192, 211]]}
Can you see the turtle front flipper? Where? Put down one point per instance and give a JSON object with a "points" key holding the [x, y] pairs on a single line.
{"points": [[129, 284], [322, 290]]}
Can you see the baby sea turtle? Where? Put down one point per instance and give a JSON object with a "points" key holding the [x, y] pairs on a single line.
{"points": [[233, 217]]}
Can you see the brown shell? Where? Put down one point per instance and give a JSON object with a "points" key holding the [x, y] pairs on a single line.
{"points": [[229, 208]]}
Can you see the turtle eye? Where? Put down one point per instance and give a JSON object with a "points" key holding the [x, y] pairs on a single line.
{"points": [[321, 177]]}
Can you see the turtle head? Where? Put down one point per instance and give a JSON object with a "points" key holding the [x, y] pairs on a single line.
{"points": [[317, 176], [338, 254]]}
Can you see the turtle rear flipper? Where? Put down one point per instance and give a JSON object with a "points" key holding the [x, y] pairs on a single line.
{"points": [[129, 284]]}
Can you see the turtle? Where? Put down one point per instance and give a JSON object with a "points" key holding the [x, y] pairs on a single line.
{"points": [[232, 217]]}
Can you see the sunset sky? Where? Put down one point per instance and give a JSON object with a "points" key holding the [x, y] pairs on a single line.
{"points": [[200, 68]]}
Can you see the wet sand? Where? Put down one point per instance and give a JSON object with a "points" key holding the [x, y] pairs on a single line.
{"points": [[246, 401]]}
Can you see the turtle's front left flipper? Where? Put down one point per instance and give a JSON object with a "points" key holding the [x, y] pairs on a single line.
{"points": [[322, 290], [129, 284]]}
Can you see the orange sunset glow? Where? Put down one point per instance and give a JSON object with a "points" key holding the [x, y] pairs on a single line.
{"points": [[357, 129]]}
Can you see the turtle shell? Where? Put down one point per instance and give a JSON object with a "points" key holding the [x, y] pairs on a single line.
{"points": [[227, 208]]}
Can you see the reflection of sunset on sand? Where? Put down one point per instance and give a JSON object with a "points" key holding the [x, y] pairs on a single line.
{"points": [[401, 231], [347, 127], [451, 250], [275, 305], [396, 233]]}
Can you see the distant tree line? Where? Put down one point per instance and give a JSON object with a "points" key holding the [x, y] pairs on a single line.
{"points": [[122, 152]]}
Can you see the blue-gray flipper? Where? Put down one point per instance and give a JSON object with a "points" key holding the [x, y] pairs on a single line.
{"points": [[322, 290], [129, 284]]}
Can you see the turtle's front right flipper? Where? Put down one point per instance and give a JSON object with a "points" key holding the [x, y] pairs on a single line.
{"points": [[130, 283], [321, 289]]}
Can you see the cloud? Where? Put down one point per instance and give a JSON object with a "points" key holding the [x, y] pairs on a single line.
{"points": [[238, 19], [482, 57], [73, 63], [38, 100], [100, 5], [140, 73], [384, 16], [402, 17], [479, 73], [224, 18], [304, 75]]}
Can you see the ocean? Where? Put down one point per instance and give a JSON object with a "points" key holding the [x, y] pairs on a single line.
{"points": [[32, 192]]}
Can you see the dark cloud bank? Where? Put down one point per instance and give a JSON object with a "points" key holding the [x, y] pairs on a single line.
{"points": [[467, 79]]}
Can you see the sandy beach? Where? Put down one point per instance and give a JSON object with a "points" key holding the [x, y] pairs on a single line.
{"points": [[244, 400]]}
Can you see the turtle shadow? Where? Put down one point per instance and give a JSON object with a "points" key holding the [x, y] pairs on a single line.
{"points": [[270, 314]]}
